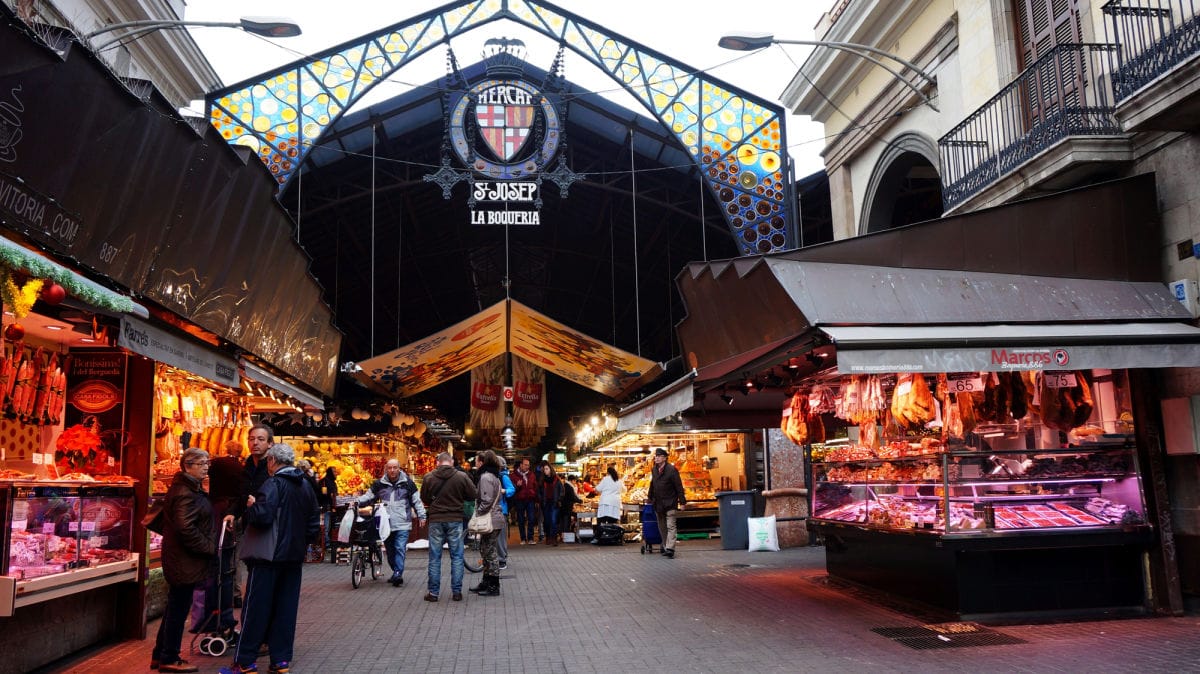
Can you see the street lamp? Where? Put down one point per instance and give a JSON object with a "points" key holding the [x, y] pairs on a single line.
{"points": [[753, 41], [258, 25]]}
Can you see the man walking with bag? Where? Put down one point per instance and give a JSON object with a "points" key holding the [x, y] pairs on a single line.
{"points": [[281, 519], [398, 494], [444, 490]]}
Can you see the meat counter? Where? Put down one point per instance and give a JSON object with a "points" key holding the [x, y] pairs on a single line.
{"points": [[61, 538], [983, 533]]}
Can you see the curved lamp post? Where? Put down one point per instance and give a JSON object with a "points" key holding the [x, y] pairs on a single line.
{"points": [[265, 26], [753, 41]]}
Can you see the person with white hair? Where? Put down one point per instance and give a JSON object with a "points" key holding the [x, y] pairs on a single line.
{"points": [[282, 518]]}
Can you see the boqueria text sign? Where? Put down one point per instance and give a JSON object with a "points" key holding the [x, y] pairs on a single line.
{"points": [[505, 203], [1118, 356], [155, 344], [37, 214]]}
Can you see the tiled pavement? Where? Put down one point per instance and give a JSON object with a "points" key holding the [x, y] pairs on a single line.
{"points": [[584, 608]]}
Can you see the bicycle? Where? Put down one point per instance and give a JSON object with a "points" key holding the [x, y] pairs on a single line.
{"points": [[365, 550], [360, 557]]}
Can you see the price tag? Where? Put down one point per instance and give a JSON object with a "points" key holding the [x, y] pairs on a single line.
{"points": [[112, 461], [964, 383], [89, 526], [94, 542], [72, 526], [47, 527], [1059, 379], [38, 459], [19, 526]]}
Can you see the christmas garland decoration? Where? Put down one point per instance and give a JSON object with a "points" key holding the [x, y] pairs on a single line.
{"points": [[14, 258]]}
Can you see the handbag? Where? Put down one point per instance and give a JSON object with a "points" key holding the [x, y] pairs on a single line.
{"points": [[481, 523], [155, 518], [259, 544]]}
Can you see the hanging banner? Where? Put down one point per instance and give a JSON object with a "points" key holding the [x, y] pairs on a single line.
{"points": [[440, 356], [575, 356], [487, 380], [529, 402]]}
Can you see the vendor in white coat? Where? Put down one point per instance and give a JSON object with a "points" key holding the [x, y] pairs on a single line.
{"points": [[611, 489]]}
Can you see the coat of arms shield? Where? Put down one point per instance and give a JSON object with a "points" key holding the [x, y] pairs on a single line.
{"points": [[504, 128]]}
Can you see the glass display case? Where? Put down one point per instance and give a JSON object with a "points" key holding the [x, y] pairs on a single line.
{"points": [[958, 493], [61, 535], [56, 528]]}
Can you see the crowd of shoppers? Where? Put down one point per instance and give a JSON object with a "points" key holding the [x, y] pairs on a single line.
{"points": [[272, 507]]}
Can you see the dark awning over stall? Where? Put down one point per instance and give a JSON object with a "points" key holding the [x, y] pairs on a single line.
{"points": [[1020, 289]]}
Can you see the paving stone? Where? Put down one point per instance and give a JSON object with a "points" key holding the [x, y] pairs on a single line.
{"points": [[584, 609]]}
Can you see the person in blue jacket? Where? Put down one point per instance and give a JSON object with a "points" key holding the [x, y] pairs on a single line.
{"points": [[283, 509], [509, 490]]}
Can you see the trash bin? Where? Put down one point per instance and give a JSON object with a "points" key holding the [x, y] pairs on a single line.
{"points": [[734, 508]]}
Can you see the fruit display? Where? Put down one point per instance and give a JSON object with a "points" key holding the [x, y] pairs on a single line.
{"points": [[697, 483]]}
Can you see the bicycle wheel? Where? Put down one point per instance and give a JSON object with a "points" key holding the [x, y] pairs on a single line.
{"points": [[472, 555], [376, 562], [356, 568]]}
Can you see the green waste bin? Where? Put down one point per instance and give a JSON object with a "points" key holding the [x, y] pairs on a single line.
{"points": [[734, 508]]}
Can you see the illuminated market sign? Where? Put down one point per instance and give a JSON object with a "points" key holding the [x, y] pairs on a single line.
{"points": [[507, 132]]}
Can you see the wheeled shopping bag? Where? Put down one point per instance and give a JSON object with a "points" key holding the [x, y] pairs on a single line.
{"points": [[650, 534]]}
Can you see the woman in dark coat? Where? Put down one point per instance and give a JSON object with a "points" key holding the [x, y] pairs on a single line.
{"points": [[550, 495], [188, 554]]}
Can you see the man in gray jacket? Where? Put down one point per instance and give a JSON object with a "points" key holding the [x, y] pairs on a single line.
{"points": [[397, 492]]}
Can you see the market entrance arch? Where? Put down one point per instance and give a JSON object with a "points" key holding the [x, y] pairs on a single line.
{"points": [[737, 141]]}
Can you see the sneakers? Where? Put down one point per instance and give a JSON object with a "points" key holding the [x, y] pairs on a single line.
{"points": [[177, 666], [522, 543], [503, 565], [239, 669], [457, 596], [429, 596], [279, 668]]}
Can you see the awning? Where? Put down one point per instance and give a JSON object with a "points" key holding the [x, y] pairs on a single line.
{"points": [[999, 347], [667, 401], [509, 326], [17, 256], [179, 352], [266, 378]]}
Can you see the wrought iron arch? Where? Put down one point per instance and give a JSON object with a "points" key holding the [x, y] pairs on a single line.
{"points": [[737, 140]]}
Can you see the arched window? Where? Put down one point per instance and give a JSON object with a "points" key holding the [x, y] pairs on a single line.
{"points": [[905, 187]]}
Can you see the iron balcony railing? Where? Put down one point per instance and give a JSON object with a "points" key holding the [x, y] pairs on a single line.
{"points": [[1064, 93], [1154, 36]]}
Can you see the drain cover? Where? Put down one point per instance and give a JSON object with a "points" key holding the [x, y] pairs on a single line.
{"points": [[947, 635], [737, 566]]}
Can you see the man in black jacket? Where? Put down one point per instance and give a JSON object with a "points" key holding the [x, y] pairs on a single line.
{"points": [[443, 492], [284, 510], [666, 493]]}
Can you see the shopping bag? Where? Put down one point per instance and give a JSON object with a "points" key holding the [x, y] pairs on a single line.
{"points": [[384, 522], [343, 532], [763, 537]]}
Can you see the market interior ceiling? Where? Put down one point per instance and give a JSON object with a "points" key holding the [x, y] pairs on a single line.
{"points": [[602, 262]]}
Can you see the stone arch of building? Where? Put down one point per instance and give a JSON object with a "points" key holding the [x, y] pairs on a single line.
{"points": [[900, 191], [737, 141]]}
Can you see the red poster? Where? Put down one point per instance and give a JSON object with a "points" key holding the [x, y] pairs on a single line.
{"points": [[485, 396], [529, 395]]}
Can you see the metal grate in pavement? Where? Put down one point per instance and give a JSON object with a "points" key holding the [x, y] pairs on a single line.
{"points": [[947, 635]]}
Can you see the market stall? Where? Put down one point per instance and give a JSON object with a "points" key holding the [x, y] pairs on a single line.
{"points": [[708, 462]]}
